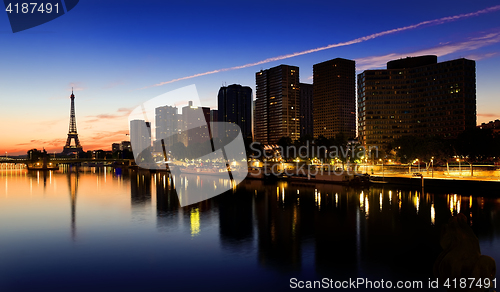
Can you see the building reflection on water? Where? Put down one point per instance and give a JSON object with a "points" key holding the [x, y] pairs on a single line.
{"points": [[347, 231], [236, 220], [294, 229], [168, 211], [140, 188]]}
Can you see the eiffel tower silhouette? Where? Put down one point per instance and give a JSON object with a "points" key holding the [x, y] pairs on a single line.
{"points": [[72, 134]]}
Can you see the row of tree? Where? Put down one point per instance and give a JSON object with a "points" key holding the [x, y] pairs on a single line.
{"points": [[474, 145], [321, 148]]}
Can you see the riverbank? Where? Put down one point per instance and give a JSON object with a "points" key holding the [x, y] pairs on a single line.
{"points": [[432, 181], [491, 184]]}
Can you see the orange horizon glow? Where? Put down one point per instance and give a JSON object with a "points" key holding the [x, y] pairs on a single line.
{"points": [[104, 139]]}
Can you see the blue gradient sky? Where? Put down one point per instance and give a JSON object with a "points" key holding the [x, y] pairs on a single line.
{"points": [[111, 50]]}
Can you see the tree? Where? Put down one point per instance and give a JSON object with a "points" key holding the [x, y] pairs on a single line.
{"points": [[476, 145], [179, 150], [285, 143], [425, 149], [34, 155], [322, 145], [254, 149]]}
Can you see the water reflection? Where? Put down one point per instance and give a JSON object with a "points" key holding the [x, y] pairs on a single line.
{"points": [[73, 188], [461, 256], [250, 230], [167, 203], [195, 221], [236, 220], [140, 188]]}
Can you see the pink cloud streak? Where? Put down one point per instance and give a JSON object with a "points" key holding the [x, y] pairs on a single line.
{"points": [[351, 42], [446, 49]]}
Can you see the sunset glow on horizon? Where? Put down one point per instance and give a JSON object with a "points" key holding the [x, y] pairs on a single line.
{"points": [[114, 66]]}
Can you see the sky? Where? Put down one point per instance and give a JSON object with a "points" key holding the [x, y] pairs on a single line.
{"points": [[119, 54]]}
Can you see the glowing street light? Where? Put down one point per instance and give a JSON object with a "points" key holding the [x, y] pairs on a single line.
{"points": [[383, 174], [432, 167]]}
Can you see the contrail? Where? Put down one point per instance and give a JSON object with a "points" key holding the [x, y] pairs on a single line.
{"points": [[348, 43]]}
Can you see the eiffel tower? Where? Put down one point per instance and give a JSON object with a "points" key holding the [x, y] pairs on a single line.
{"points": [[72, 134]]}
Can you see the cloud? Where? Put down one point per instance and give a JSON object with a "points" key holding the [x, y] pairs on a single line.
{"points": [[73, 86], [125, 110], [77, 86], [40, 143], [489, 115], [121, 112], [478, 57], [348, 43], [103, 135], [470, 44], [104, 139], [51, 123]]}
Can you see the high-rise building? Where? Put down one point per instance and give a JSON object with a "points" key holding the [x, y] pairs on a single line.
{"points": [[166, 126], [235, 106], [115, 147], [277, 104], [334, 99], [140, 135], [125, 145], [416, 96], [214, 118], [196, 121], [180, 125], [306, 110]]}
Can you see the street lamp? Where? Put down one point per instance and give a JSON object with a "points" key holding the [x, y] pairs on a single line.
{"points": [[459, 167], [432, 167], [418, 165], [364, 159], [383, 176]]}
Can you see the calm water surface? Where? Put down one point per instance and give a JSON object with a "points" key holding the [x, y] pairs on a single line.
{"points": [[101, 229]]}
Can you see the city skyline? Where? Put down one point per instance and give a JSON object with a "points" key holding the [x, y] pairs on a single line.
{"points": [[255, 145], [39, 88]]}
